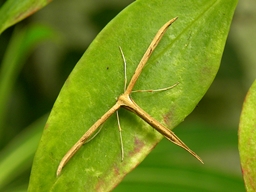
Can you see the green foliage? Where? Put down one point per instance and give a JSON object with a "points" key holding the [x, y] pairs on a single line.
{"points": [[17, 156], [189, 53], [14, 11], [247, 137], [167, 167], [23, 41]]}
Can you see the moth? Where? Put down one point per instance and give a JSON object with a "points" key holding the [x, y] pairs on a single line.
{"points": [[125, 101]]}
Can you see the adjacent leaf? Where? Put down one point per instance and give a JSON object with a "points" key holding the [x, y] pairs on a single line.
{"points": [[189, 53], [14, 11], [247, 139]]}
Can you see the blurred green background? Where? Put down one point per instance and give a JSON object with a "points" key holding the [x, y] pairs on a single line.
{"points": [[211, 130]]}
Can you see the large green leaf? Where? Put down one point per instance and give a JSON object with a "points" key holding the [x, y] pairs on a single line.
{"points": [[189, 53], [14, 11], [247, 139]]}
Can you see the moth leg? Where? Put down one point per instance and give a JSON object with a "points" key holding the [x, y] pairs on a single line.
{"points": [[125, 74], [121, 138], [157, 90]]}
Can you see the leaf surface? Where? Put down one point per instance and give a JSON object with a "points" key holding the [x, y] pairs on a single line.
{"points": [[189, 53], [247, 139], [14, 11]]}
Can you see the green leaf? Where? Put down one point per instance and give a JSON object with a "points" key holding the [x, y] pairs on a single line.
{"points": [[189, 53], [247, 139], [14, 11]]}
